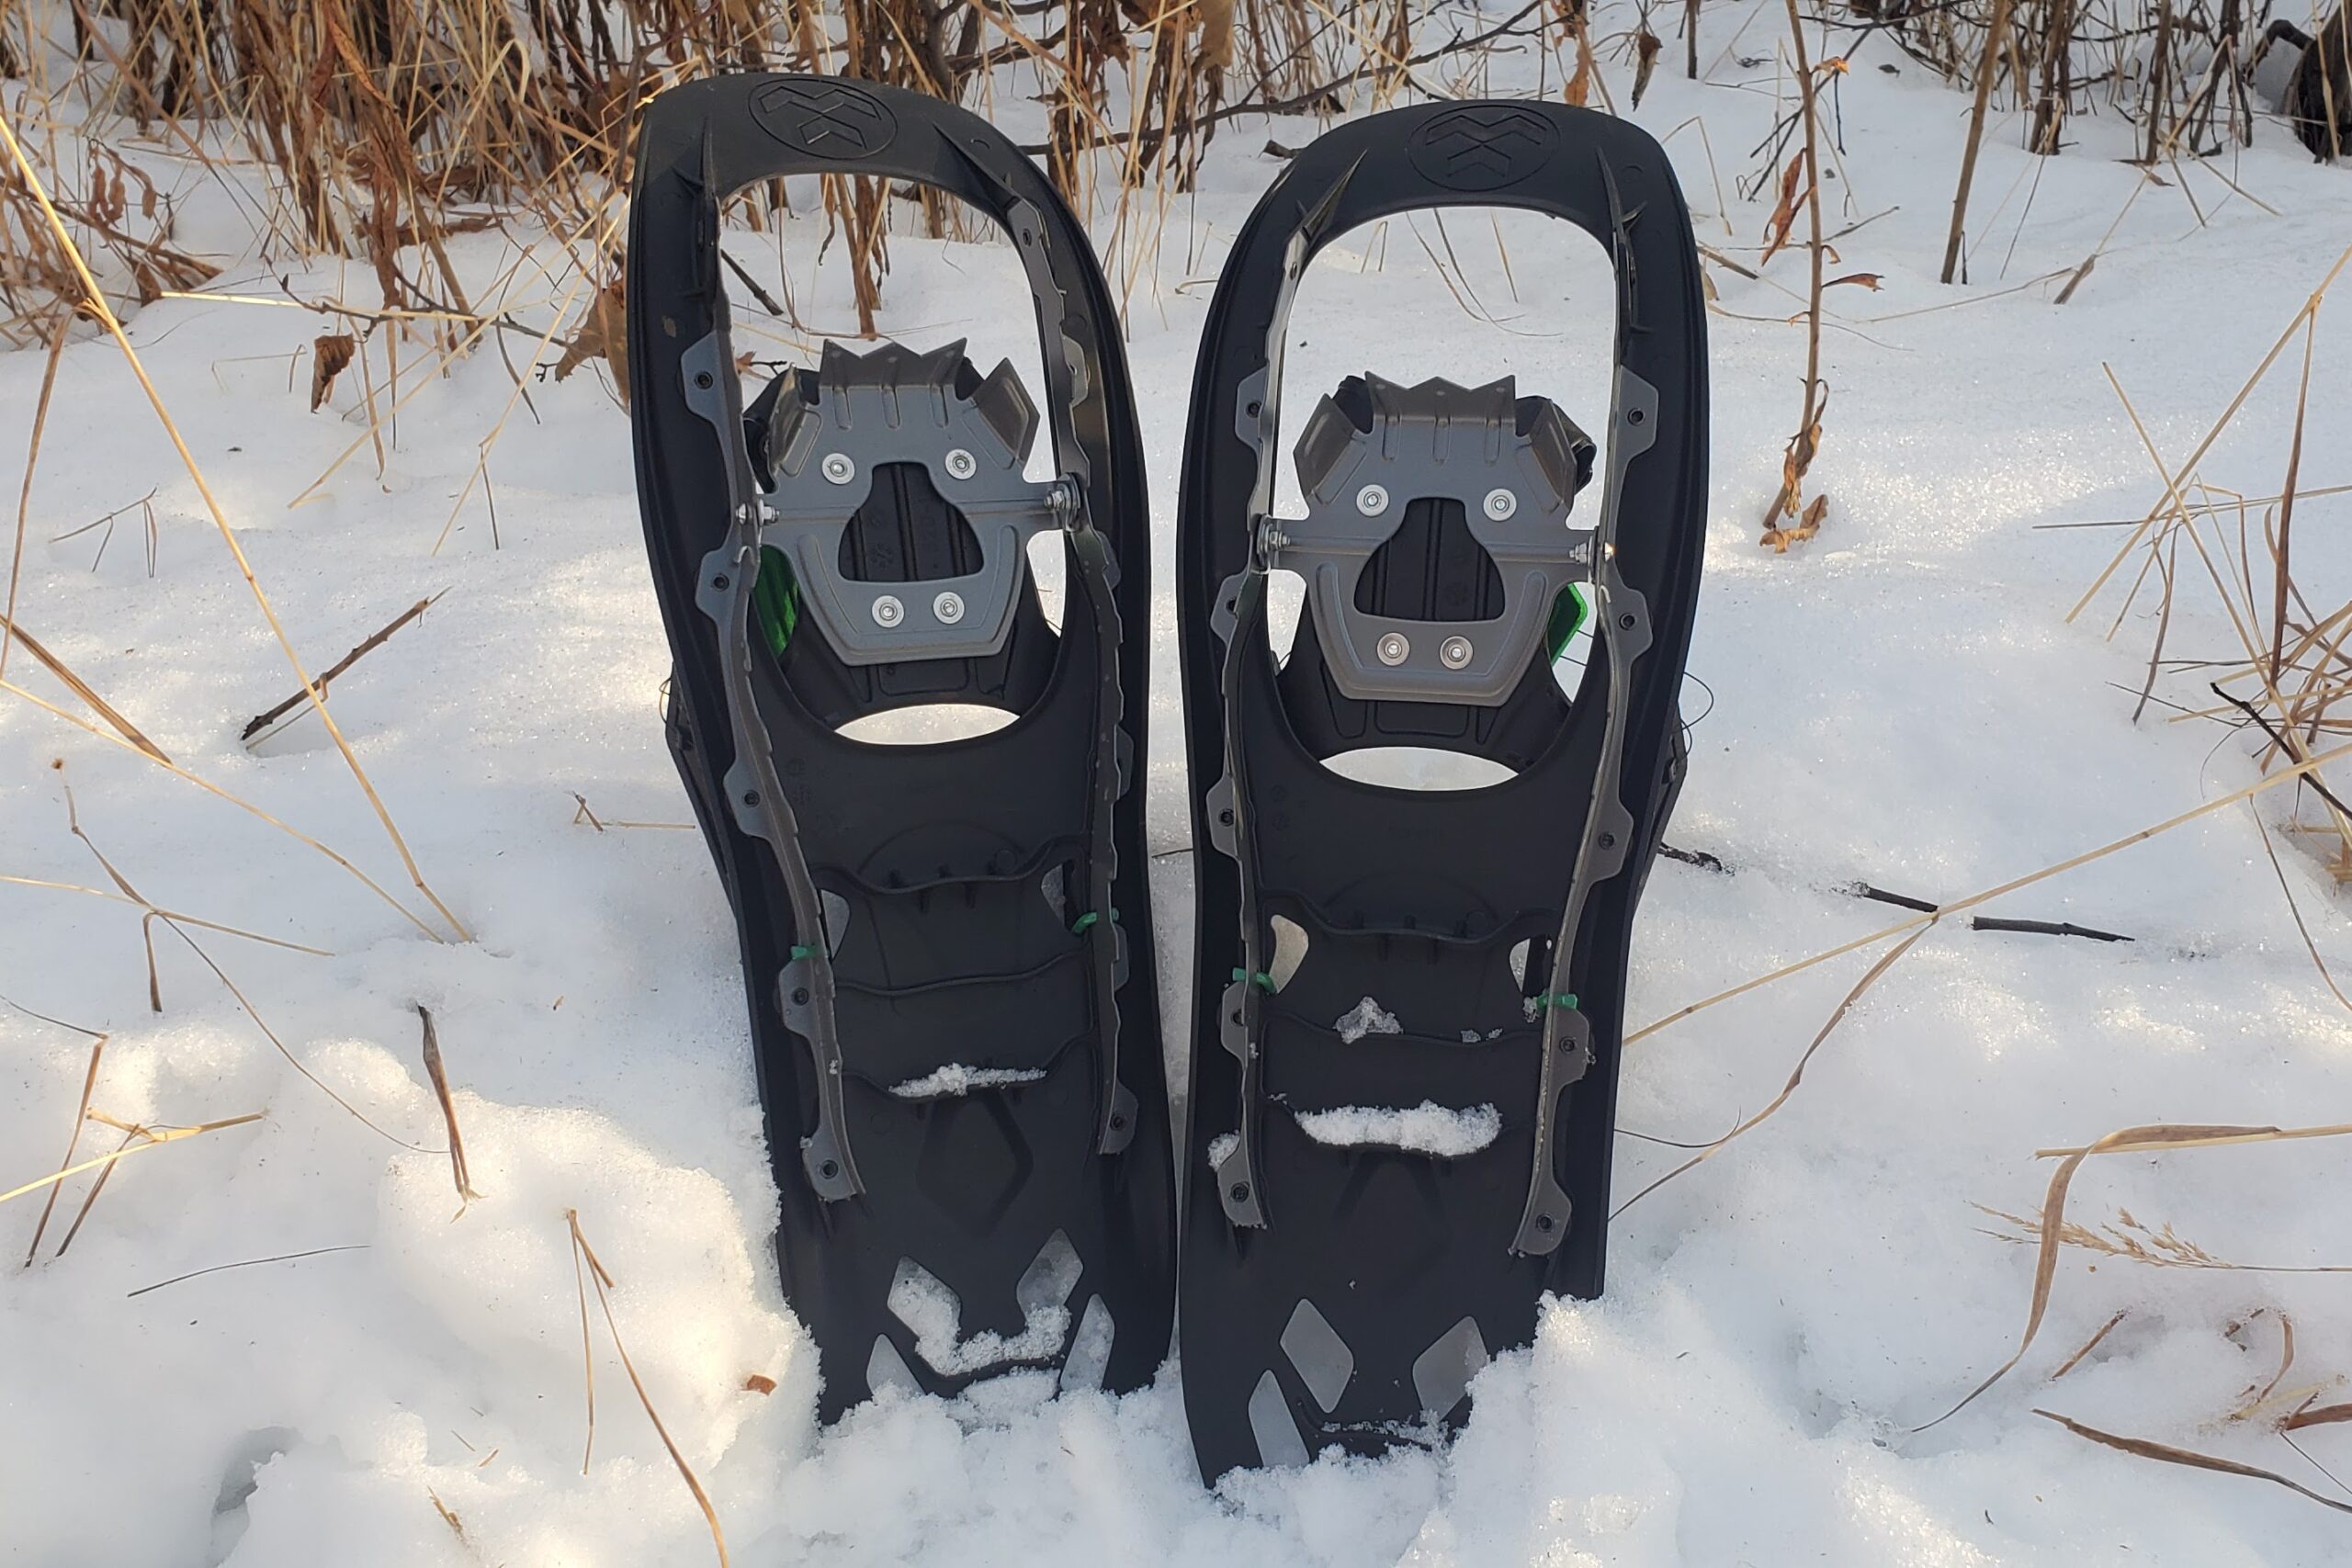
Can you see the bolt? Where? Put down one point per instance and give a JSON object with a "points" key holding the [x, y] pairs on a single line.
{"points": [[1500, 503], [949, 608], [889, 611], [702, 379], [719, 582], [1635, 416], [838, 469], [1371, 500], [1394, 649], [1241, 1192], [961, 464], [829, 1170], [1455, 652], [750, 797], [1543, 1223]]}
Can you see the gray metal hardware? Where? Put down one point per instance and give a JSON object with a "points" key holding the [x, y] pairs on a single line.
{"points": [[1622, 636], [1441, 442], [896, 406]]}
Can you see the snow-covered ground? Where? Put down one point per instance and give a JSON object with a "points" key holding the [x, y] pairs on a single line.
{"points": [[1901, 702]]}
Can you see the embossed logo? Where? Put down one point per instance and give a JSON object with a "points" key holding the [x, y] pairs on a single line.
{"points": [[825, 119], [1483, 148]]}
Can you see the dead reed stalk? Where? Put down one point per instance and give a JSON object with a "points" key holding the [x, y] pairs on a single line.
{"points": [[1788, 520]]}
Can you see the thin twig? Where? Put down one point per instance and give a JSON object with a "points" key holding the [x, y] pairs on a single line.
{"points": [[373, 641], [249, 1263]]}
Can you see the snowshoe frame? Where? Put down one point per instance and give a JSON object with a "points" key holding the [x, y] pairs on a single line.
{"points": [[907, 912], [1348, 1294]]}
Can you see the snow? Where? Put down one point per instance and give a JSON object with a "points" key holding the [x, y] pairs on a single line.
{"points": [[924, 1304], [1901, 702], [958, 1078], [1428, 1128], [1367, 1017]]}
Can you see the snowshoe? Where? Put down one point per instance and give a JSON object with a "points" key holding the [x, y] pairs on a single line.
{"points": [[955, 1032], [1408, 1004]]}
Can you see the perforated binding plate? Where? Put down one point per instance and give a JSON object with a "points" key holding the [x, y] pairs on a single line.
{"points": [[894, 406], [1513, 465]]}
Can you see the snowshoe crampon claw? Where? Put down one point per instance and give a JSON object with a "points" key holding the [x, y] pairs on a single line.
{"points": [[1408, 1003], [954, 1032]]}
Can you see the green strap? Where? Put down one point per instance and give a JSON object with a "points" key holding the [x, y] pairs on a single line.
{"points": [[802, 950], [1259, 976], [1569, 612], [1078, 926], [775, 596], [1555, 999]]}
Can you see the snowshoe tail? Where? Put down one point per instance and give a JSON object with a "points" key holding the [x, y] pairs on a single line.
{"points": [[955, 1030], [1408, 1004]]}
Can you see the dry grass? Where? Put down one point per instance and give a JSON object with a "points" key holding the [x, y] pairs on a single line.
{"points": [[2204, 548], [596, 1275]]}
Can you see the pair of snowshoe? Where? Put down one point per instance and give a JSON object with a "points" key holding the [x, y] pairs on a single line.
{"points": [[947, 948]]}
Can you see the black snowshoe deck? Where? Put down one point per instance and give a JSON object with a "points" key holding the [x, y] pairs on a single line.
{"points": [[958, 1046], [1433, 980]]}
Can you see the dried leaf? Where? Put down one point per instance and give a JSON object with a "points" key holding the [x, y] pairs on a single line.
{"points": [[1215, 47], [1783, 220], [603, 335], [760, 1382], [1646, 47], [2318, 1416], [331, 353], [438, 1074], [1868, 280], [2146, 1448], [2091, 1344]]}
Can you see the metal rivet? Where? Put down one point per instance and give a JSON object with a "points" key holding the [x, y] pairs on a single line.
{"points": [[949, 608], [838, 469], [1394, 649], [1544, 1223], [829, 1169], [887, 611], [703, 380], [1635, 416], [1453, 652], [961, 464], [1371, 500], [1500, 503], [1241, 1192]]}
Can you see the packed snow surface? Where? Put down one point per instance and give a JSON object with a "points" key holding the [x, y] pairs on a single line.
{"points": [[1902, 701], [1428, 1128]]}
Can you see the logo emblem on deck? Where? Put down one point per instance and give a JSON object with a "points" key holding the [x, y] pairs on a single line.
{"points": [[825, 119], [1483, 148]]}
